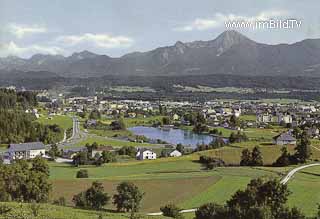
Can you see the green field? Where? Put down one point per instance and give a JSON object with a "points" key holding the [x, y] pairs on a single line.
{"points": [[184, 182], [64, 122], [305, 187], [179, 180], [111, 142], [140, 121]]}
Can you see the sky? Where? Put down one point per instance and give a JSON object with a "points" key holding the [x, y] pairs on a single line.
{"points": [[117, 27]]}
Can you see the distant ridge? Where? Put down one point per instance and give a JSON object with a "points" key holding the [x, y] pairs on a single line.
{"points": [[231, 53]]}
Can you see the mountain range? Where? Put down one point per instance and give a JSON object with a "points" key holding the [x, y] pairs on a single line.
{"points": [[231, 53]]}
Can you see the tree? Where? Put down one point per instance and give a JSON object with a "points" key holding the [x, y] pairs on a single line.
{"points": [[234, 121], [263, 194], [256, 157], [128, 197], [200, 128], [303, 151], [81, 158], [166, 120], [108, 157], [127, 150], [118, 125], [54, 151], [93, 198], [39, 164], [180, 148], [284, 159], [211, 211], [61, 201], [245, 158], [82, 174], [171, 210], [95, 114]]}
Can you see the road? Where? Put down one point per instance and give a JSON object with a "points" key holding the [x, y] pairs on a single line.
{"points": [[292, 172], [77, 135]]}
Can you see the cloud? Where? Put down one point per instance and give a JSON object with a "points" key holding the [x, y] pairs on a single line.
{"points": [[98, 40], [219, 20], [12, 48], [22, 30]]}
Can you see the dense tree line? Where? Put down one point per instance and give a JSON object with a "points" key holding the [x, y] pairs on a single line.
{"points": [[17, 126], [10, 99]]}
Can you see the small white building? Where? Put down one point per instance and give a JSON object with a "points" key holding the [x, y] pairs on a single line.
{"points": [[146, 154], [264, 118], [175, 153], [284, 118], [26, 150]]}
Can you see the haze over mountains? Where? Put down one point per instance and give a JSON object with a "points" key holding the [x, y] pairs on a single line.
{"points": [[231, 53]]}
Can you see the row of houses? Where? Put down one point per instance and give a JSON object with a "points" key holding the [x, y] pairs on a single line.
{"points": [[33, 149]]}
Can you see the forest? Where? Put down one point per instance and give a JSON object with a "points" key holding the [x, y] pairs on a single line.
{"points": [[17, 126]]}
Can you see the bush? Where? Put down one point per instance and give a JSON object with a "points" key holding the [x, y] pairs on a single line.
{"points": [[170, 210], [60, 201], [93, 198], [211, 162], [82, 174], [211, 211]]}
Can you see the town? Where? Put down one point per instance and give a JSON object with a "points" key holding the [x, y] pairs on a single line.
{"points": [[166, 109], [92, 136]]}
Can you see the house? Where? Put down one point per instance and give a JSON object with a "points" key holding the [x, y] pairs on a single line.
{"points": [[284, 118], [175, 153], [175, 117], [313, 132], [26, 150], [70, 153], [264, 118], [146, 154], [100, 150], [284, 139]]}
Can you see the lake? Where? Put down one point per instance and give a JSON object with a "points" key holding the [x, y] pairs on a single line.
{"points": [[173, 136]]}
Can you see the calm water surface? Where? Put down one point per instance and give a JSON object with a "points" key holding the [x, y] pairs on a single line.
{"points": [[173, 136]]}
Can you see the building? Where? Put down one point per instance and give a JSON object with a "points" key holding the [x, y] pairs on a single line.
{"points": [[284, 118], [146, 154], [98, 151], [264, 118], [284, 139], [26, 150], [175, 153]]}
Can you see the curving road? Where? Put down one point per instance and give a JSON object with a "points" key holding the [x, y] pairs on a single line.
{"points": [[292, 172]]}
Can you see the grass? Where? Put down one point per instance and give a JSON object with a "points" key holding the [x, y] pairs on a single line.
{"points": [[110, 142], [63, 121], [248, 118], [140, 121], [59, 212], [111, 133], [305, 190], [174, 180], [263, 134]]}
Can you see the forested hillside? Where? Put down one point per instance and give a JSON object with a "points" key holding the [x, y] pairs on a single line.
{"points": [[17, 126]]}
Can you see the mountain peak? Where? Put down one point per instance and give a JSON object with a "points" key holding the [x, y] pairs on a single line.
{"points": [[229, 38], [83, 55]]}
